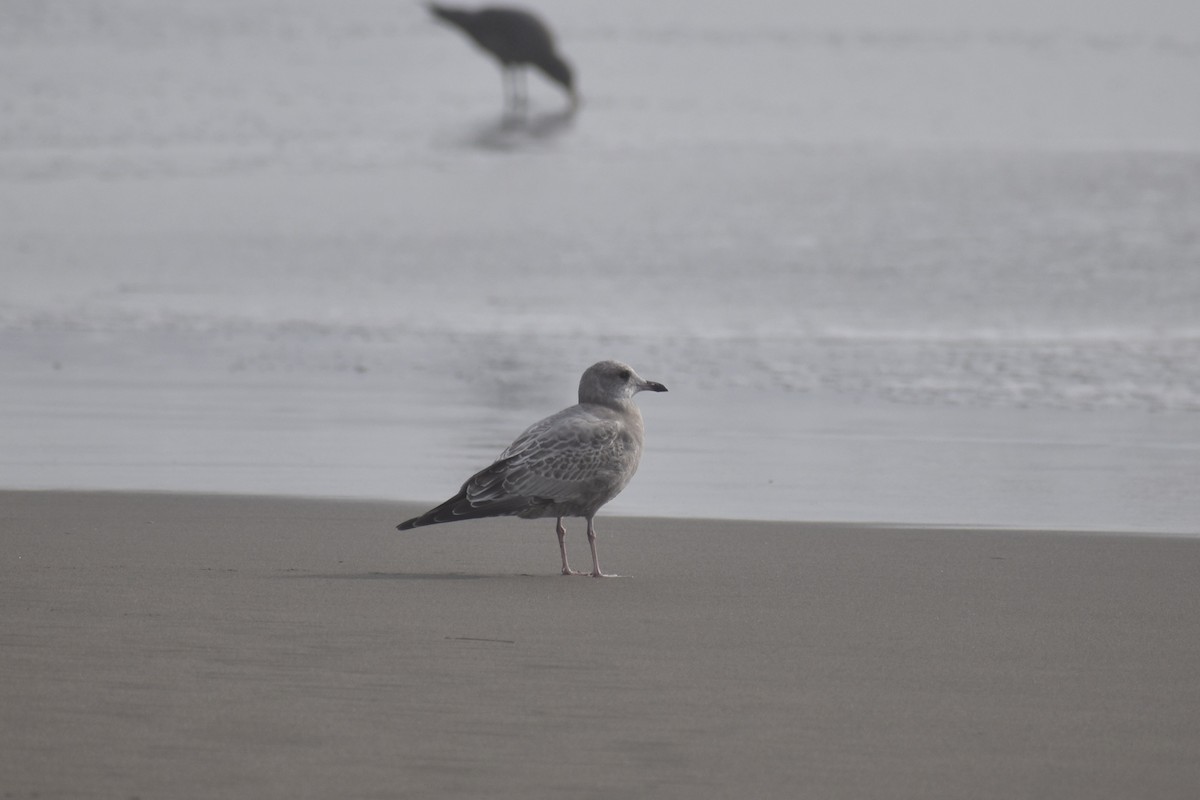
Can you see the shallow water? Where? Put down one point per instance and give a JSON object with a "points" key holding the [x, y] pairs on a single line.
{"points": [[927, 266]]}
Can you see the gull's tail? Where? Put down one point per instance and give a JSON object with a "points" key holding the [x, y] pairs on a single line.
{"points": [[458, 508], [488, 501]]}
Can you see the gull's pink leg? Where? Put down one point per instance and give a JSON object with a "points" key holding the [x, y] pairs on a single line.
{"points": [[562, 547], [591, 534]]}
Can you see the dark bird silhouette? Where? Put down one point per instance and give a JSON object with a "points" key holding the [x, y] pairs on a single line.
{"points": [[517, 39], [567, 465]]}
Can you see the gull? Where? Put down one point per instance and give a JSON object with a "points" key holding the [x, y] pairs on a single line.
{"points": [[516, 38], [567, 465]]}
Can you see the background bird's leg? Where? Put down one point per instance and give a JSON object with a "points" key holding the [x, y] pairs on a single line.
{"points": [[520, 88], [591, 534], [562, 548], [506, 75]]}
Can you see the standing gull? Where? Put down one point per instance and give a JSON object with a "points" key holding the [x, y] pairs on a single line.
{"points": [[517, 39], [568, 465]]}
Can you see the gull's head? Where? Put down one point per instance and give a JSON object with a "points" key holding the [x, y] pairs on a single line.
{"points": [[609, 382]]}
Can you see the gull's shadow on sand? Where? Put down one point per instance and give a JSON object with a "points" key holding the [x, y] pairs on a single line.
{"points": [[431, 576], [521, 131], [415, 576]]}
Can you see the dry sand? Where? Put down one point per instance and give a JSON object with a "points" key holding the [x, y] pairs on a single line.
{"points": [[210, 646]]}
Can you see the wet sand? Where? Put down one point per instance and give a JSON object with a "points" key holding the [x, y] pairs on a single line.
{"points": [[159, 645]]}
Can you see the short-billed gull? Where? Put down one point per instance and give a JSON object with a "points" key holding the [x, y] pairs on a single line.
{"points": [[568, 465]]}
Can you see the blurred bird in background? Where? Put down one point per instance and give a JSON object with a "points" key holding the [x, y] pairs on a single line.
{"points": [[517, 39]]}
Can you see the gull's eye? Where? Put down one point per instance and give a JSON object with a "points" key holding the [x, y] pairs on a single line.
{"points": [[624, 374]]}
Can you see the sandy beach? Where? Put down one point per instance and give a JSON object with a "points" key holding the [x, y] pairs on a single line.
{"points": [[171, 646]]}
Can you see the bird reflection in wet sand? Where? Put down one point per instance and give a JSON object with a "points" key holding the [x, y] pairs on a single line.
{"points": [[517, 39], [520, 132]]}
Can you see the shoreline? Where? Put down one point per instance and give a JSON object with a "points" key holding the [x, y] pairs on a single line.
{"points": [[415, 507], [794, 458], [171, 645]]}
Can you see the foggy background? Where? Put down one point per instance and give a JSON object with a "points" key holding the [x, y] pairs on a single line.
{"points": [[921, 262]]}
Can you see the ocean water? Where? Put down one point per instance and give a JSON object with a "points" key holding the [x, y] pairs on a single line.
{"points": [[931, 264]]}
